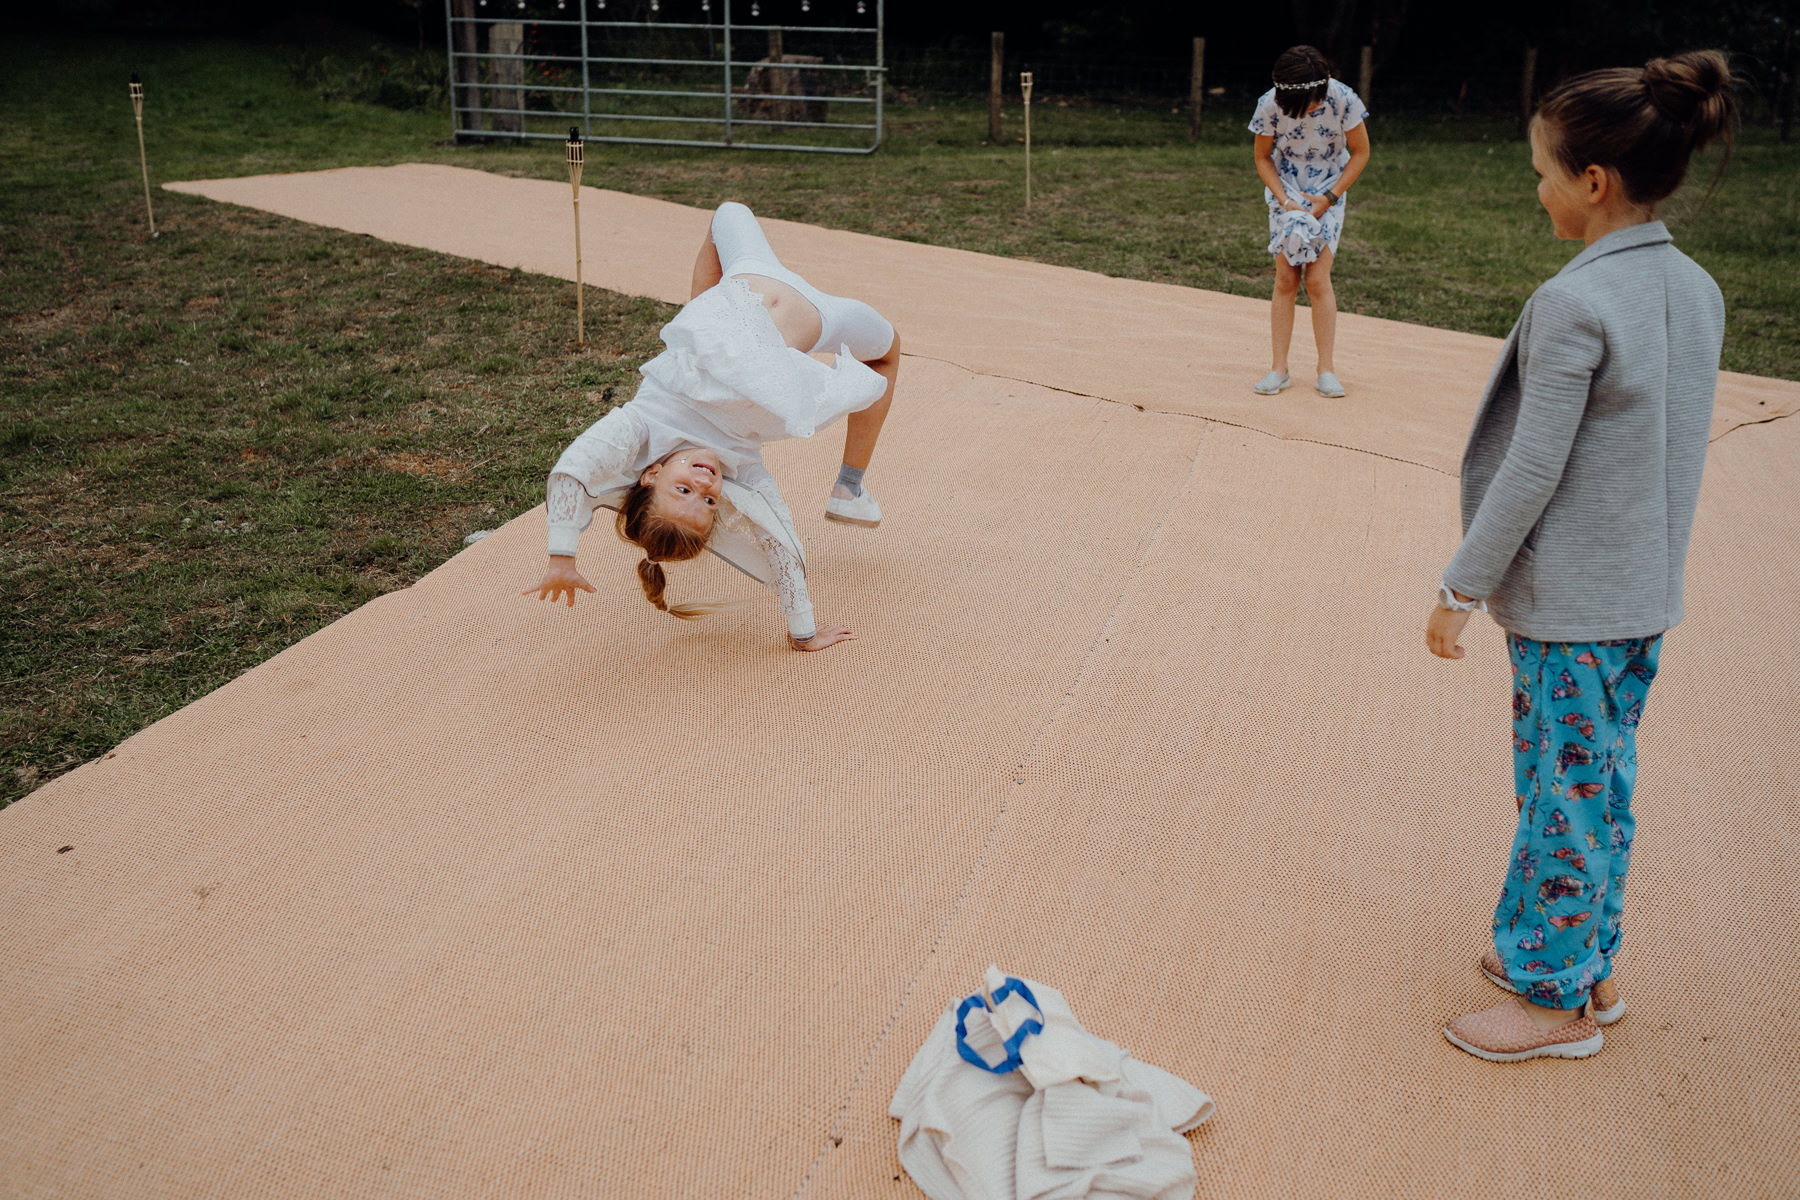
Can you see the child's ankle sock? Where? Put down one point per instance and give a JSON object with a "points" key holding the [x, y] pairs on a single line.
{"points": [[851, 477]]}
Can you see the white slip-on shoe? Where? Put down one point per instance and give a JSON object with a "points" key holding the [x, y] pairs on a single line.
{"points": [[1329, 385], [1274, 383], [855, 510]]}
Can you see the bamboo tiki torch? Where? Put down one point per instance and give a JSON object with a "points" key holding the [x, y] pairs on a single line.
{"points": [[1025, 86], [575, 196], [137, 106]]}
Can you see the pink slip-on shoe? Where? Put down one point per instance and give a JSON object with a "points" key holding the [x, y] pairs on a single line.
{"points": [[1505, 1033], [1495, 970]]}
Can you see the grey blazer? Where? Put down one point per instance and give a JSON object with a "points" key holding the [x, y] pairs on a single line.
{"points": [[1583, 467]]}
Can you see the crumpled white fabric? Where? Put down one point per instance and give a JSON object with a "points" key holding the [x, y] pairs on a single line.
{"points": [[1297, 234], [725, 353], [1079, 1118]]}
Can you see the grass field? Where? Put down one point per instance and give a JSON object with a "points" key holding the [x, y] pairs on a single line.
{"points": [[214, 442]]}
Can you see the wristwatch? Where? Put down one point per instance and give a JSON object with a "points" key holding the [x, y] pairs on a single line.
{"points": [[1334, 196], [1447, 599]]}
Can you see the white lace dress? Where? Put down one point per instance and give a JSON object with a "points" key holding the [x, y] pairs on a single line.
{"points": [[728, 383]]}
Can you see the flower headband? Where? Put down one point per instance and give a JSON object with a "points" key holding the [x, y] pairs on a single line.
{"points": [[1302, 87]]}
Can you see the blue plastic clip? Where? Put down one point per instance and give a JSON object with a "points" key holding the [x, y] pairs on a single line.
{"points": [[1012, 1062]]}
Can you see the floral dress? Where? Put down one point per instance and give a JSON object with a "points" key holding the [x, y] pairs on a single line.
{"points": [[1310, 155]]}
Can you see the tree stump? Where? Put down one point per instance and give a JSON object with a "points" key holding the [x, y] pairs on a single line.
{"points": [[506, 76], [780, 88]]}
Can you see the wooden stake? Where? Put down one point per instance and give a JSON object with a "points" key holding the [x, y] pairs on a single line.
{"points": [[998, 47], [1365, 78], [574, 148], [1195, 90], [1527, 87], [137, 107], [1025, 86]]}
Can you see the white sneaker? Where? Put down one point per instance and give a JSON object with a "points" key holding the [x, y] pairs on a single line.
{"points": [[1274, 383], [1329, 385], [854, 510]]}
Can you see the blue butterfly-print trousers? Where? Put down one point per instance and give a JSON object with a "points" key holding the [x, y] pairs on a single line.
{"points": [[1576, 707]]}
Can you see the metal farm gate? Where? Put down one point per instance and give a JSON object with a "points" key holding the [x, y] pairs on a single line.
{"points": [[806, 75]]}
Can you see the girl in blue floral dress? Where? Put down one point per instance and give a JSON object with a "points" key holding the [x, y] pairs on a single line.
{"points": [[1312, 141]]}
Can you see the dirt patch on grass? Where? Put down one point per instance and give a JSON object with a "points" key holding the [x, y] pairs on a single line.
{"points": [[412, 462]]}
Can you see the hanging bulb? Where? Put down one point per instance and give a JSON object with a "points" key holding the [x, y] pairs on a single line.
{"points": [[560, 5], [655, 6], [755, 9], [805, 5], [705, 6], [861, 7]]}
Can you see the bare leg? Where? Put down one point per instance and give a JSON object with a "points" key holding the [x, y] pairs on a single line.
{"points": [[862, 428], [1323, 298], [708, 271], [1281, 311]]}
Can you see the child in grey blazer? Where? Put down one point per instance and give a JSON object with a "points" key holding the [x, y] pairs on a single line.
{"points": [[1579, 485]]}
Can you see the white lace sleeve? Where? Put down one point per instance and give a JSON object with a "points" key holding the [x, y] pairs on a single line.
{"points": [[569, 510], [789, 582], [595, 463], [787, 573]]}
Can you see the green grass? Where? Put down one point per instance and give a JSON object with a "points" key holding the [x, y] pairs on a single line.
{"points": [[214, 442]]}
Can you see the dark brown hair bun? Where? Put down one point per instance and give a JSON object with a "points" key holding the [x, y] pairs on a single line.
{"points": [[1643, 122], [1692, 89]]}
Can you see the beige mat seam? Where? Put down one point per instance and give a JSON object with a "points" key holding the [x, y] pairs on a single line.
{"points": [[1170, 412], [835, 1136], [1747, 425]]}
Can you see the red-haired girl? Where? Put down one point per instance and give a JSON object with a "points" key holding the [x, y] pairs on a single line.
{"points": [[758, 354]]}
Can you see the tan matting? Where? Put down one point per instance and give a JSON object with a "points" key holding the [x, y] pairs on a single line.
{"points": [[467, 896], [1156, 346]]}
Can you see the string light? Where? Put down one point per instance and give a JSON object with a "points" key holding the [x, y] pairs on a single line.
{"points": [[805, 5], [705, 6], [755, 9], [861, 7]]}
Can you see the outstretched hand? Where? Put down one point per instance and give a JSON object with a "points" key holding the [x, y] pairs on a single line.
{"points": [[560, 580], [825, 635]]}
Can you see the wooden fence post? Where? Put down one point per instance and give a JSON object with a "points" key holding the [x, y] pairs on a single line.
{"points": [[994, 84], [1527, 89], [1196, 89], [1790, 64], [1365, 79], [468, 67]]}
